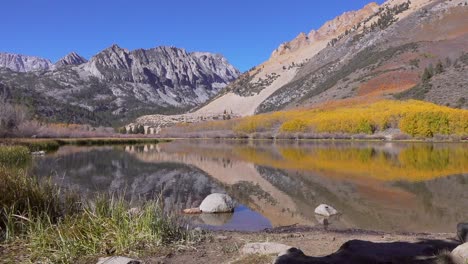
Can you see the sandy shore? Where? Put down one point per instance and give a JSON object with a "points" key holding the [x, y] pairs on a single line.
{"points": [[225, 247]]}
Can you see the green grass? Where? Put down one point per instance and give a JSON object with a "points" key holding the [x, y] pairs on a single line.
{"points": [[104, 226], [14, 155], [42, 223], [28, 197], [108, 141], [44, 145]]}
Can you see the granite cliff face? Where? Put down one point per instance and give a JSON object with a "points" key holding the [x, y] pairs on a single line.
{"points": [[182, 78], [116, 84], [22, 63]]}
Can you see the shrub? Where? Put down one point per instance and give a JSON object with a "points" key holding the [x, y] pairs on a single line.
{"points": [[295, 125]]}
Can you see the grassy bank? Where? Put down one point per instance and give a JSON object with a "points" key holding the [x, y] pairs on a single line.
{"points": [[49, 145], [41, 223], [412, 118], [14, 155]]}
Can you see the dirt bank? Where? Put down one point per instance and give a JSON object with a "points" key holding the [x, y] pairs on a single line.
{"points": [[225, 247]]}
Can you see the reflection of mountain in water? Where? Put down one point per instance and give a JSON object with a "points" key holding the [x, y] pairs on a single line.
{"points": [[382, 186], [241, 179], [113, 170], [365, 181], [436, 205]]}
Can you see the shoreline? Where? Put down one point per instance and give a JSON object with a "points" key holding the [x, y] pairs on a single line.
{"points": [[227, 246], [316, 140], [138, 140]]}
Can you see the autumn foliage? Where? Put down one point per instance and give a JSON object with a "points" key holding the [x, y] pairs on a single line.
{"points": [[412, 117], [416, 118]]}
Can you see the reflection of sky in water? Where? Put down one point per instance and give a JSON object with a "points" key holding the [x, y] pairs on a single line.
{"points": [[243, 218]]}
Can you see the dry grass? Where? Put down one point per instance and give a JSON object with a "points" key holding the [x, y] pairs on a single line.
{"points": [[39, 223]]}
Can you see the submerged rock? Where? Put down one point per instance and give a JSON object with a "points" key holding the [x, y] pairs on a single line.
{"points": [[217, 203], [215, 219], [325, 210], [117, 260], [265, 248]]}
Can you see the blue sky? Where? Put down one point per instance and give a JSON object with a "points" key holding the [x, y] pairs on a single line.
{"points": [[245, 31]]}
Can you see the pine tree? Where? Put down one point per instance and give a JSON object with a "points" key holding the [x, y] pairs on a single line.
{"points": [[439, 68], [448, 62], [427, 75]]}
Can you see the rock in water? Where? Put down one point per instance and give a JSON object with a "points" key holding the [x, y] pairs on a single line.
{"points": [[462, 232], [325, 210], [217, 203], [460, 253], [117, 260], [216, 219], [265, 248]]}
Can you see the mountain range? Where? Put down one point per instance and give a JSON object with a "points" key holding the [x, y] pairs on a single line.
{"points": [[401, 49], [380, 51], [115, 85]]}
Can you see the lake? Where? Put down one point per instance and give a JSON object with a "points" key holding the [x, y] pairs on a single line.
{"points": [[386, 186]]}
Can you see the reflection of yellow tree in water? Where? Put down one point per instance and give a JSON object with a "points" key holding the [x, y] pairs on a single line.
{"points": [[414, 163], [428, 158]]}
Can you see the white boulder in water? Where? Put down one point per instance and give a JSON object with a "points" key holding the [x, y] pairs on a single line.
{"points": [[217, 203], [325, 210]]}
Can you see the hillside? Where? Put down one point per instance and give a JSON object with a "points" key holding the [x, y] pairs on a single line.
{"points": [[114, 86], [374, 53]]}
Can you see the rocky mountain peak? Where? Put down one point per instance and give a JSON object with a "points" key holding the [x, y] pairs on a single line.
{"points": [[112, 63], [328, 31], [23, 63], [71, 59], [161, 66]]}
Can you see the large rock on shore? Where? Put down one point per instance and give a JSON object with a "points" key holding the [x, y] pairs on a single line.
{"points": [[265, 248], [460, 254], [217, 203], [118, 260]]}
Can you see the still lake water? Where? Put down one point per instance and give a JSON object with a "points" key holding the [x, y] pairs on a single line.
{"points": [[416, 187]]}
